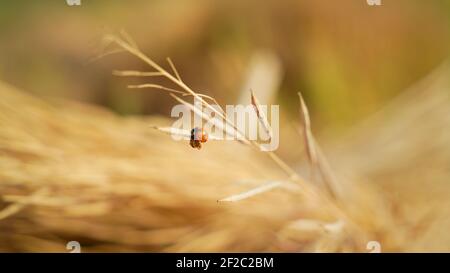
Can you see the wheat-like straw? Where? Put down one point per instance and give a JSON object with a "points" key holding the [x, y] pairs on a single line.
{"points": [[125, 42], [118, 187], [263, 188], [315, 154], [261, 116]]}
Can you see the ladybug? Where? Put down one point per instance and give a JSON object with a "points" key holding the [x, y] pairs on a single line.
{"points": [[198, 136]]}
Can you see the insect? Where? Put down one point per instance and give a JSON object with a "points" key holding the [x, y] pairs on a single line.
{"points": [[198, 136]]}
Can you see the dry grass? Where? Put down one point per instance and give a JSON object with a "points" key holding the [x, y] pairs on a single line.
{"points": [[76, 172]]}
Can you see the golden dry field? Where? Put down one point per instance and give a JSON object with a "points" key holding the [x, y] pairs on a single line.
{"points": [[364, 156]]}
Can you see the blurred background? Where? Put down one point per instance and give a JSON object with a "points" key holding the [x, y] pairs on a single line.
{"points": [[347, 58]]}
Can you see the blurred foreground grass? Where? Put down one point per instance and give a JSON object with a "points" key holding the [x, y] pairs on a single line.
{"points": [[71, 171]]}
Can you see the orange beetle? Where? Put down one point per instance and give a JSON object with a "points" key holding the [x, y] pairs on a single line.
{"points": [[198, 136]]}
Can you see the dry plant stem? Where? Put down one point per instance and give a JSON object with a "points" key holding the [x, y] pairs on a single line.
{"points": [[136, 52], [175, 71], [163, 72], [263, 188], [104, 54], [184, 94], [127, 73], [156, 86], [307, 133], [316, 156], [260, 114], [128, 38]]}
